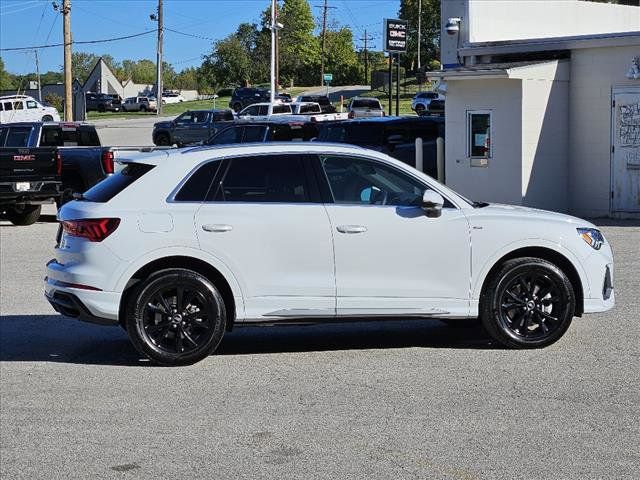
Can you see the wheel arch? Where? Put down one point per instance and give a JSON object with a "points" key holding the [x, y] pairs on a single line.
{"points": [[178, 261], [550, 255]]}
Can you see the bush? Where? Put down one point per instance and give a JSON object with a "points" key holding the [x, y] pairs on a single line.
{"points": [[54, 100]]}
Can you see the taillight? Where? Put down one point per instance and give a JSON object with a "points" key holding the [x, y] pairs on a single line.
{"points": [[94, 229], [58, 164], [107, 161]]}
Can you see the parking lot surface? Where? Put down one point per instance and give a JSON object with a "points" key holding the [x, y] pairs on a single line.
{"points": [[381, 400]]}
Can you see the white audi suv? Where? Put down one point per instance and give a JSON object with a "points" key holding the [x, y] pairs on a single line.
{"points": [[182, 245]]}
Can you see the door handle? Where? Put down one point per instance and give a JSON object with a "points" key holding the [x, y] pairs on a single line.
{"points": [[217, 228], [351, 228]]}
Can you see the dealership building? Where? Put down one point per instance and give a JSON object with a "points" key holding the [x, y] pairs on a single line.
{"points": [[543, 103]]}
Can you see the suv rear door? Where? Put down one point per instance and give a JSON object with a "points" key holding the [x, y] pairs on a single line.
{"points": [[264, 219]]}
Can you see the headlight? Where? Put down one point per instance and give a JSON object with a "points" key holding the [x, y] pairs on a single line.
{"points": [[592, 236]]}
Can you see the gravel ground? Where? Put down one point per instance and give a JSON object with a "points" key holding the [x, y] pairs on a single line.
{"points": [[403, 399]]}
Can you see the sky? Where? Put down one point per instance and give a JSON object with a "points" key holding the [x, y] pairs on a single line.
{"points": [[25, 23]]}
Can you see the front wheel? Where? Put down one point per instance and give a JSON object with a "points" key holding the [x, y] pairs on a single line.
{"points": [[528, 303], [143, 108], [176, 317], [47, 118], [22, 215]]}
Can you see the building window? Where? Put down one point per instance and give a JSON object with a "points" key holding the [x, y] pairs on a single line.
{"points": [[479, 134]]}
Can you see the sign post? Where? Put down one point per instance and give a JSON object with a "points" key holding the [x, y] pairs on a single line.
{"points": [[327, 77], [395, 42]]}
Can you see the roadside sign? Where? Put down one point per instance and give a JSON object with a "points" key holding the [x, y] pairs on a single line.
{"points": [[395, 35], [328, 77]]}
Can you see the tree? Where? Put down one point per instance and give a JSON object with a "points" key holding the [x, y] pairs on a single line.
{"points": [[228, 63], [299, 49], [6, 79], [341, 59], [430, 32]]}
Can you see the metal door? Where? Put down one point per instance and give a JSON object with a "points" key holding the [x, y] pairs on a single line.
{"points": [[625, 150]]}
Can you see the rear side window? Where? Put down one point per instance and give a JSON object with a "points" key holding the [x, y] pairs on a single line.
{"points": [[111, 186], [196, 187], [226, 136], [281, 109], [18, 137], [265, 179], [253, 134]]}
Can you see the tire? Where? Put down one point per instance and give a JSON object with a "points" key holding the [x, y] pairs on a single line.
{"points": [[47, 118], [528, 303], [174, 331], [143, 108], [102, 108], [24, 215], [237, 107], [420, 109], [163, 140]]}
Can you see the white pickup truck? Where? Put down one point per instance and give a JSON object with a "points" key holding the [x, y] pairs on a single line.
{"points": [[313, 110]]}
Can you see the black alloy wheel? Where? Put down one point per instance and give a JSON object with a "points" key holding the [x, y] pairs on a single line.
{"points": [[529, 303], [176, 317], [163, 140]]}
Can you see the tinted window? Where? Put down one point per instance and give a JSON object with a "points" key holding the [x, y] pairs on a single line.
{"points": [[195, 189], [8, 106], [355, 133], [267, 178], [113, 185], [200, 117], [366, 103], [31, 104], [263, 110], [281, 109], [18, 137], [226, 136], [364, 182], [60, 137], [254, 133], [222, 116]]}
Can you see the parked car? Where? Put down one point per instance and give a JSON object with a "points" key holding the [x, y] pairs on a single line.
{"points": [[172, 97], [274, 130], [23, 108], [191, 126], [264, 111], [313, 112], [212, 238], [436, 107], [102, 102], [243, 97], [322, 100], [395, 136], [140, 104], [84, 162], [421, 101], [360, 107]]}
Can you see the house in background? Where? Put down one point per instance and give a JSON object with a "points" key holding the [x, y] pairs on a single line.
{"points": [[543, 103]]}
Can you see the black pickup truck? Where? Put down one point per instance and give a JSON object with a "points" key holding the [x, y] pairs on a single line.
{"points": [[29, 177], [84, 161]]}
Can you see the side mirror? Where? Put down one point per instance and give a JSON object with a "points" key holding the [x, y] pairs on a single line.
{"points": [[432, 203]]}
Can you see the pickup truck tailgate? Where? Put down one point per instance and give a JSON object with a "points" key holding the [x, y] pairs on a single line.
{"points": [[29, 164]]}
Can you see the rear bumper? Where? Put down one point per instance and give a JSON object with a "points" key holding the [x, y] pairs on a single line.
{"points": [[70, 305], [41, 192]]}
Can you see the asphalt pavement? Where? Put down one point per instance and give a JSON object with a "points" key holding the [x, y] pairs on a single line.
{"points": [[380, 400]]}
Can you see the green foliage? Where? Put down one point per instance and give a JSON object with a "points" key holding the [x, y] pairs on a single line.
{"points": [[54, 100], [299, 49], [341, 59], [430, 32], [6, 79]]}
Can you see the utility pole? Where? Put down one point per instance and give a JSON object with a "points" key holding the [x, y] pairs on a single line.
{"points": [[159, 60], [38, 75], [66, 26], [366, 39], [419, 29], [277, 38], [324, 7], [274, 34]]}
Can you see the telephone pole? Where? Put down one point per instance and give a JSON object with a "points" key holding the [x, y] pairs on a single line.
{"points": [[38, 75], [324, 7], [366, 39], [419, 28], [277, 53], [66, 26], [159, 60]]}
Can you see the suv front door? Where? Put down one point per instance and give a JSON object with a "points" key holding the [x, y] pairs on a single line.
{"points": [[390, 257], [264, 219]]}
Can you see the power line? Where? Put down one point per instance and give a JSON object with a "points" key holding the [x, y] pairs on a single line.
{"points": [[190, 34], [85, 42]]}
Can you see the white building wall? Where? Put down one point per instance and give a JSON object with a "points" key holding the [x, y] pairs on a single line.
{"points": [[499, 20], [594, 72], [545, 135], [501, 180]]}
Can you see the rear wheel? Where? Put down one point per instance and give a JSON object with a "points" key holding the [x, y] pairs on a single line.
{"points": [[528, 303], [102, 108], [22, 215], [47, 118], [176, 317], [420, 109]]}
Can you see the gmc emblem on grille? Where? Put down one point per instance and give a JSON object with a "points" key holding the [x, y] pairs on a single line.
{"points": [[24, 158]]}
